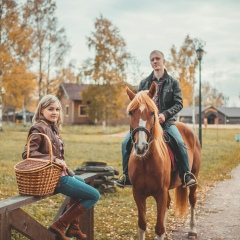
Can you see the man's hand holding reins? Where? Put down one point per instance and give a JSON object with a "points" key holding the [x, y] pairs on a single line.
{"points": [[161, 118]]}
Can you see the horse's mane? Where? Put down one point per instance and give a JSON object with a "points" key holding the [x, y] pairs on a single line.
{"points": [[142, 98]]}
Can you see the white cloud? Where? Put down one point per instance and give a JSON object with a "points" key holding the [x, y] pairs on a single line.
{"points": [[147, 25]]}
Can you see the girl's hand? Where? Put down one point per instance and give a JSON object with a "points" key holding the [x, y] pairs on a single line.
{"points": [[62, 164]]}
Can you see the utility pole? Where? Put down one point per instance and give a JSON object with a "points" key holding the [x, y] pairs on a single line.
{"points": [[200, 52], [193, 109]]}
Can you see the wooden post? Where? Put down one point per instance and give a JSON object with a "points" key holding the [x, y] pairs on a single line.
{"points": [[12, 216], [5, 228], [28, 226]]}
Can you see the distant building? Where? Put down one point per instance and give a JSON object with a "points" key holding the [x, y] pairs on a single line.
{"points": [[17, 116], [70, 95], [211, 115], [75, 112]]}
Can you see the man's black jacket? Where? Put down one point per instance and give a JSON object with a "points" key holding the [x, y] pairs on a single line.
{"points": [[170, 96]]}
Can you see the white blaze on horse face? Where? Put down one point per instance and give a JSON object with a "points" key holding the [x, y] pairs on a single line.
{"points": [[141, 135], [142, 107]]}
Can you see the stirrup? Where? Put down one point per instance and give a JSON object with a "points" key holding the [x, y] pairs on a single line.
{"points": [[194, 182], [124, 183]]}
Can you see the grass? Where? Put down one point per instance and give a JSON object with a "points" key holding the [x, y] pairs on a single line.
{"points": [[115, 213]]}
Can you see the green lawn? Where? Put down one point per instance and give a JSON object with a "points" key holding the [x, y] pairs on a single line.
{"points": [[115, 213]]}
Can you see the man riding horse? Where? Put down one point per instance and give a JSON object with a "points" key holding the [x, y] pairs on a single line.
{"points": [[169, 102]]}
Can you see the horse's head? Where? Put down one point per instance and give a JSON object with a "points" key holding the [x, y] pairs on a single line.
{"points": [[142, 111]]}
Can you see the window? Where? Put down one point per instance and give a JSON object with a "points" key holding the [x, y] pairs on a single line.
{"points": [[82, 110], [67, 110]]}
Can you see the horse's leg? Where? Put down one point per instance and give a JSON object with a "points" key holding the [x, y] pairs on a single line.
{"points": [[166, 212], [141, 205], [163, 202], [192, 200], [165, 216]]}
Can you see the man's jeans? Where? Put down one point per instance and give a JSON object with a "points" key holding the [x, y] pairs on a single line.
{"points": [[173, 130], [76, 188]]}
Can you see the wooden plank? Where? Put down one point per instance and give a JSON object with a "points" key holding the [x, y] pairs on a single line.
{"points": [[15, 202], [28, 226], [61, 209], [89, 177], [87, 223], [5, 229], [12, 215]]}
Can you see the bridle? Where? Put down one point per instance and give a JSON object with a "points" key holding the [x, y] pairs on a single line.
{"points": [[143, 129]]}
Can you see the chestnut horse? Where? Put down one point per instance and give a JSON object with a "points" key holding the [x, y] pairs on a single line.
{"points": [[149, 165]]}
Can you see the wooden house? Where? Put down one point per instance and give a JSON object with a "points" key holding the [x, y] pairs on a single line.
{"points": [[211, 115], [70, 95], [75, 112]]}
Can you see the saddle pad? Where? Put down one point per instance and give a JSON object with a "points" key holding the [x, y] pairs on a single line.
{"points": [[169, 140]]}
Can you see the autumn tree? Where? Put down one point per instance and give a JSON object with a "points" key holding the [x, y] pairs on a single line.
{"points": [[68, 74], [106, 71], [15, 45], [134, 72], [210, 96], [49, 45], [183, 65]]}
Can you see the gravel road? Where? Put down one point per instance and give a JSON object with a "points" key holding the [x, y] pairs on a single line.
{"points": [[219, 217]]}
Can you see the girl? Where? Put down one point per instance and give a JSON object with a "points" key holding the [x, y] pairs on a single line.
{"points": [[48, 119]]}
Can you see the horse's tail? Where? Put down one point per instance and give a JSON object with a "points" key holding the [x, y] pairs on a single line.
{"points": [[181, 200]]}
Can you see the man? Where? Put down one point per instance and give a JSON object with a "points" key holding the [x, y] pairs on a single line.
{"points": [[168, 99]]}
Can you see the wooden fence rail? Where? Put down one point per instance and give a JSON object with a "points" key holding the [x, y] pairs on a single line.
{"points": [[13, 217]]}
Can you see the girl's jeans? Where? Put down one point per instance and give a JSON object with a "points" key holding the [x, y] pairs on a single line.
{"points": [[76, 188]]}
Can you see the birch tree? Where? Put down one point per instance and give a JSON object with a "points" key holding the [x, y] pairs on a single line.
{"points": [[50, 43], [106, 71]]}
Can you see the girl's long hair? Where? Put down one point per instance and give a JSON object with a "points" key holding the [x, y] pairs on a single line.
{"points": [[45, 102]]}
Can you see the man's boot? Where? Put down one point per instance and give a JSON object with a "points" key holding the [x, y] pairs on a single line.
{"points": [[59, 227], [126, 150], [74, 227], [188, 179]]}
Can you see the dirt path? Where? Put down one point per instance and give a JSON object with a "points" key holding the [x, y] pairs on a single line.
{"points": [[219, 217]]}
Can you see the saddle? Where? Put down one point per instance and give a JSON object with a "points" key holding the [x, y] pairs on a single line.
{"points": [[172, 149]]}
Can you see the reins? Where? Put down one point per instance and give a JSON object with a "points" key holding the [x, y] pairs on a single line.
{"points": [[143, 129]]}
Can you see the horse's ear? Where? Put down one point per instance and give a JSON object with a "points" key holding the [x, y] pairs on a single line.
{"points": [[130, 94], [152, 91]]}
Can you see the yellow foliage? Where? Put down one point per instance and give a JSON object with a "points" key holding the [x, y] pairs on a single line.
{"points": [[19, 85]]}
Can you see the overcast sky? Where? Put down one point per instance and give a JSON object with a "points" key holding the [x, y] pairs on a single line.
{"points": [[146, 25]]}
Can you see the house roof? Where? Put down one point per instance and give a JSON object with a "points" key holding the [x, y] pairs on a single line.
{"points": [[228, 111], [73, 91]]}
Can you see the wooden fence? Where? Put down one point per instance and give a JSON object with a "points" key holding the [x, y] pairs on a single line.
{"points": [[13, 217]]}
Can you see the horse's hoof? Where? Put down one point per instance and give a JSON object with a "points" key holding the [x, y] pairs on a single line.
{"points": [[160, 238], [192, 235]]}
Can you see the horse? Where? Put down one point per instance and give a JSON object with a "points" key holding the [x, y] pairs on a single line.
{"points": [[150, 168]]}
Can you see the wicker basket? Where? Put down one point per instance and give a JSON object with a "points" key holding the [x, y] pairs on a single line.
{"points": [[37, 177]]}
